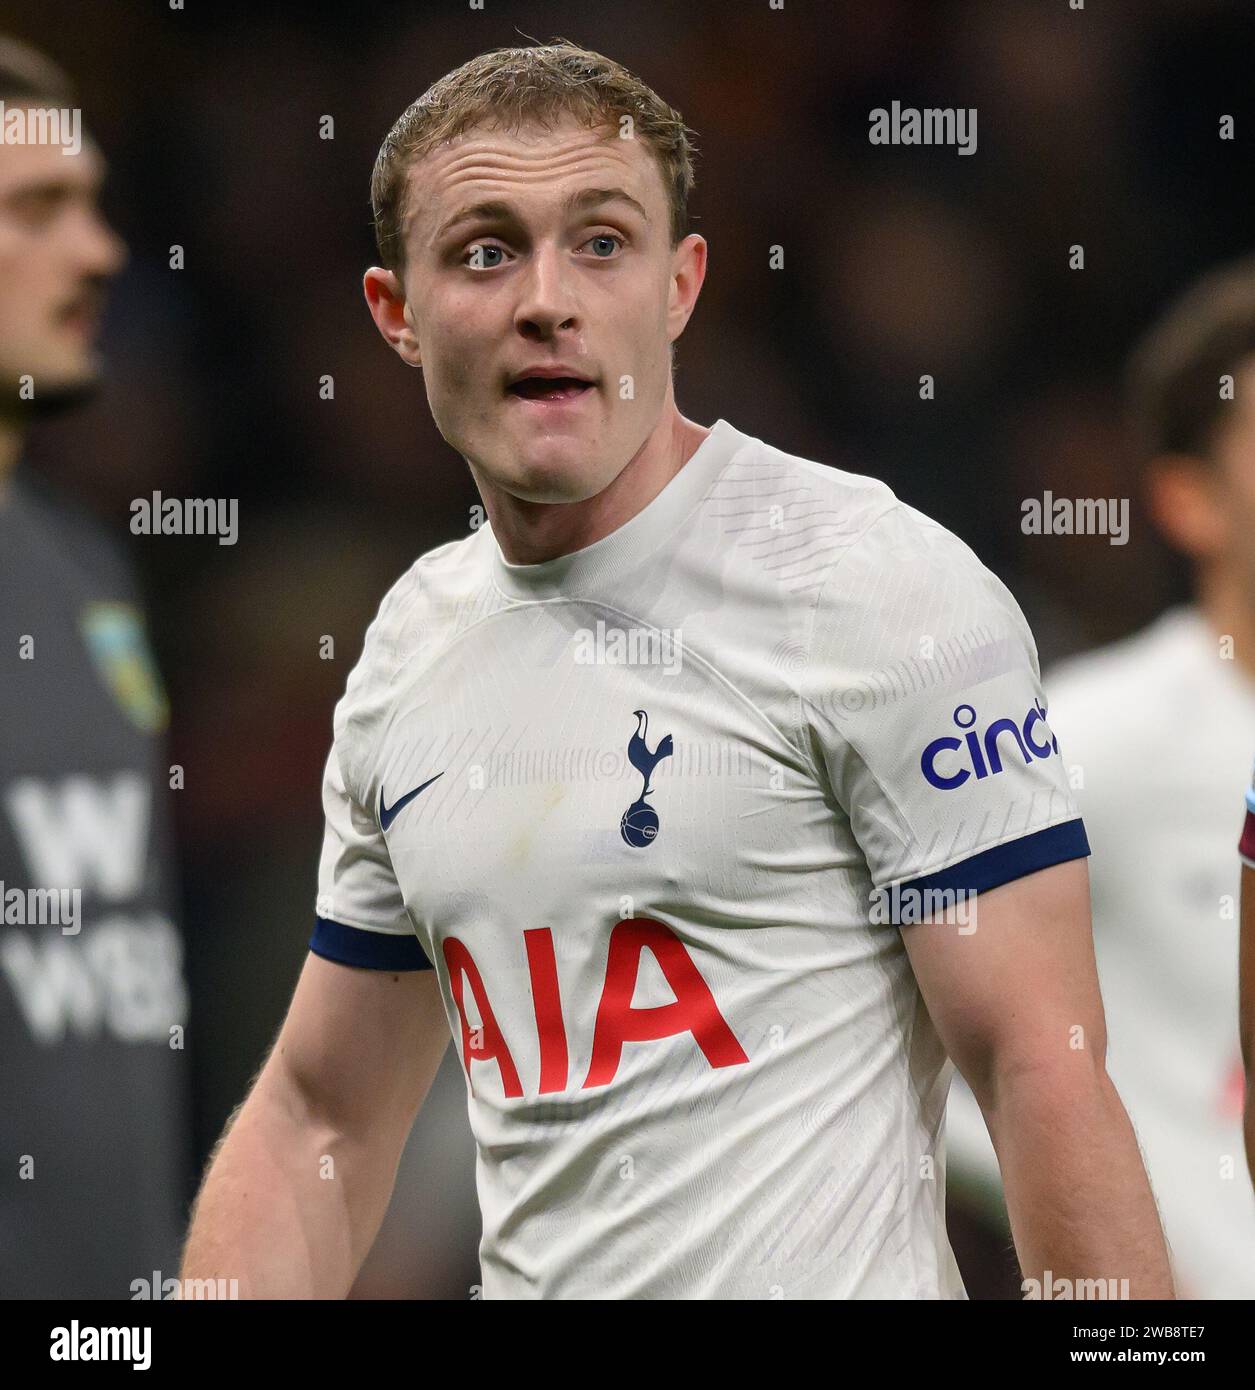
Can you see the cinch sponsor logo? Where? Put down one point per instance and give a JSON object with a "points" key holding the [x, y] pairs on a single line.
{"points": [[946, 765]]}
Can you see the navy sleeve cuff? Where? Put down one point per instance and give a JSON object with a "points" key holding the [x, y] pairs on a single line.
{"points": [[371, 950], [1003, 863]]}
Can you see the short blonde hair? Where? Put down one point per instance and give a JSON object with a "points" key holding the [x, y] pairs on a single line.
{"points": [[510, 87]]}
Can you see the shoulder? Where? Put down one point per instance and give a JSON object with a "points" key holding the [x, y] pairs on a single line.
{"points": [[869, 547], [404, 625], [841, 503], [901, 540], [63, 524], [906, 585]]}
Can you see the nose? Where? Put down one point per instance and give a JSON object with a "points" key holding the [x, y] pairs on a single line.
{"points": [[547, 302], [100, 251], [112, 250]]}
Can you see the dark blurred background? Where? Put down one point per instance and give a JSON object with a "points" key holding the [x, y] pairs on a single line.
{"points": [[1097, 127]]}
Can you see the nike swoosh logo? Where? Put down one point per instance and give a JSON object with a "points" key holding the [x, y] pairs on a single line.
{"points": [[387, 814]]}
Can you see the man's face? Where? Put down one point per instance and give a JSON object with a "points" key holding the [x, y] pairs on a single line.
{"points": [[543, 249], [56, 254]]}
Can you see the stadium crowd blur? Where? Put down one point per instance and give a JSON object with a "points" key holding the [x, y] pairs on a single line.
{"points": [[1097, 127]]}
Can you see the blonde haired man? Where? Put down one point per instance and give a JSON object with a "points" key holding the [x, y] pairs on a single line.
{"points": [[632, 789]]}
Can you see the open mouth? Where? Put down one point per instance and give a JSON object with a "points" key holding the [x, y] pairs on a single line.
{"points": [[549, 388], [81, 315]]}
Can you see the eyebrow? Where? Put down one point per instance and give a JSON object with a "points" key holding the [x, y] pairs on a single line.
{"points": [[497, 210], [51, 186]]}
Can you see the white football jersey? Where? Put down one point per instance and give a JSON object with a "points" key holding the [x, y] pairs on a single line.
{"points": [[641, 807], [1158, 728]]}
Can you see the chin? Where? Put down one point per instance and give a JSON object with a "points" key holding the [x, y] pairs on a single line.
{"points": [[552, 480], [54, 395], [551, 463]]}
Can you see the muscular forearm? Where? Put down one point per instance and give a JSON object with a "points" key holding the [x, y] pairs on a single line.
{"points": [[289, 1206], [1077, 1194]]}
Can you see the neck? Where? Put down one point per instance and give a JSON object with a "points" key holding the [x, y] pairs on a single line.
{"points": [[1227, 608], [530, 533]]}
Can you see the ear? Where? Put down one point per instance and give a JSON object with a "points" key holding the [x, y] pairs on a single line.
{"points": [[688, 271], [386, 300], [1184, 499]]}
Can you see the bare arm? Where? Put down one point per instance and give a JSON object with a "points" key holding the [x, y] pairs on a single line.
{"points": [[1017, 1005], [1246, 1008], [298, 1185]]}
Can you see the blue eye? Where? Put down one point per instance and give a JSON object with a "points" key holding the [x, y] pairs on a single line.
{"points": [[479, 257], [608, 241]]}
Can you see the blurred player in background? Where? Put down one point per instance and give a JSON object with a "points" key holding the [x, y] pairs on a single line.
{"points": [[655, 894], [94, 1139], [1152, 728], [1246, 1002]]}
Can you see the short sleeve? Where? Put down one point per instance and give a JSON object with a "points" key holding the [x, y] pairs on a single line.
{"points": [[360, 915], [923, 705]]}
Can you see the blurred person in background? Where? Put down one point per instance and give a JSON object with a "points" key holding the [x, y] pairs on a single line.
{"points": [[1152, 728], [94, 1140]]}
